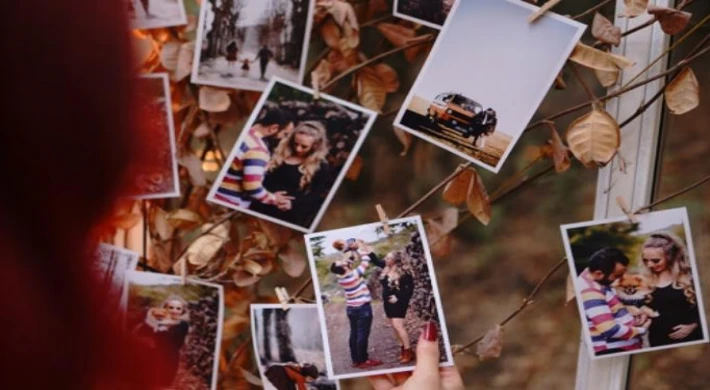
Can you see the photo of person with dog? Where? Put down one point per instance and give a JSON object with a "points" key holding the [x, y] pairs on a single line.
{"points": [[288, 348], [375, 291], [179, 322], [636, 283]]}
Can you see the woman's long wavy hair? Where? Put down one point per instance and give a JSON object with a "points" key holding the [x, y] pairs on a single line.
{"points": [[316, 156], [396, 269], [676, 259]]}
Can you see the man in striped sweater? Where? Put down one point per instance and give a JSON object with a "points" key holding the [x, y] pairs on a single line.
{"points": [[242, 183], [611, 326], [358, 297]]}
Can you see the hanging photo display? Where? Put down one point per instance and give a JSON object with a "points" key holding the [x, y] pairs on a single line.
{"points": [[110, 266], [485, 77], [291, 156], [180, 322], [636, 283], [157, 177], [149, 14], [289, 348], [430, 13], [243, 43], [375, 292]]}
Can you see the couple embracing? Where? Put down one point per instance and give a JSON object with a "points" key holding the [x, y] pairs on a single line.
{"points": [[673, 316], [279, 170], [397, 289]]}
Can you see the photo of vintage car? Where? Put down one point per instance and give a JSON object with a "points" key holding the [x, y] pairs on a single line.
{"points": [[461, 114]]}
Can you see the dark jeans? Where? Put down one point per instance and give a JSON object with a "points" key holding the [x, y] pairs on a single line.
{"points": [[360, 323], [610, 351]]}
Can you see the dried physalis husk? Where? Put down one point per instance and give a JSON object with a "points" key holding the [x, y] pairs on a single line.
{"points": [[605, 31], [477, 200], [672, 21], [598, 59], [607, 78], [594, 138], [634, 8], [456, 191], [404, 138], [683, 92], [491, 346], [214, 99], [558, 151], [370, 90]]}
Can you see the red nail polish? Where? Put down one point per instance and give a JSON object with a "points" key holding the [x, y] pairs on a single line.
{"points": [[429, 332]]}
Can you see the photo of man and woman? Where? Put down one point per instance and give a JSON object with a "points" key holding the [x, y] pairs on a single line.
{"points": [[289, 348], [290, 159], [636, 283], [375, 292], [180, 323]]}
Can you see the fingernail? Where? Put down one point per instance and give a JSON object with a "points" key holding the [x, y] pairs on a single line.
{"points": [[429, 332]]}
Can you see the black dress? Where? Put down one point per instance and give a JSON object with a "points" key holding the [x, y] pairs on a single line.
{"points": [[674, 309], [403, 292], [306, 204]]}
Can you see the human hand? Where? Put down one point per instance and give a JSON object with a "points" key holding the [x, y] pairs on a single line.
{"points": [[640, 318], [392, 299], [427, 373], [281, 197], [285, 205], [682, 331]]}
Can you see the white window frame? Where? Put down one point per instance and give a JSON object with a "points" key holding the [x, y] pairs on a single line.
{"points": [[639, 145]]}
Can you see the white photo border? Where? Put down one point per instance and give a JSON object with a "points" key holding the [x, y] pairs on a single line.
{"points": [[175, 193], [176, 279], [255, 337], [442, 35], [135, 256], [172, 23], [195, 74], [434, 285], [344, 170], [696, 280]]}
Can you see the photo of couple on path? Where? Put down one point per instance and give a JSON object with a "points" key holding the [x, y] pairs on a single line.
{"points": [[636, 283], [291, 156], [377, 292]]}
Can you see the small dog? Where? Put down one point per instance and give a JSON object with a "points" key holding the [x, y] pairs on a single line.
{"points": [[634, 291]]}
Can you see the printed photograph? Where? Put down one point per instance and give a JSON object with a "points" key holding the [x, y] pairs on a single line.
{"points": [[157, 176], [375, 294], [476, 103], [148, 14], [110, 266], [291, 156], [181, 323], [242, 44], [636, 283], [288, 345], [431, 13]]}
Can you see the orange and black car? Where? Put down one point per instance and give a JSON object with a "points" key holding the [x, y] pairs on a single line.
{"points": [[455, 112]]}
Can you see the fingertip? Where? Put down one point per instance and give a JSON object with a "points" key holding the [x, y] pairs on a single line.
{"points": [[380, 382]]}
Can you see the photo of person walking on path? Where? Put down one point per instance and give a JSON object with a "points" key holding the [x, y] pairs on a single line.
{"points": [[375, 292]]}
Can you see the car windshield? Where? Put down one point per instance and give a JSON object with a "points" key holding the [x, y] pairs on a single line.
{"points": [[466, 103]]}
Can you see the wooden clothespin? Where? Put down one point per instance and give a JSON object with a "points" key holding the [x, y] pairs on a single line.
{"points": [[316, 86], [183, 271], [283, 297], [383, 218], [625, 208], [546, 7]]}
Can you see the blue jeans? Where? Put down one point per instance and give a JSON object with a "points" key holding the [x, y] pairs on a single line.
{"points": [[360, 323]]}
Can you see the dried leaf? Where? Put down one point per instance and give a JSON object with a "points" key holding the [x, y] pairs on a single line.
{"points": [[597, 59], [159, 219], [233, 114], [388, 76], [594, 138], [183, 67], [214, 99], [342, 61], [293, 260], [399, 35], [492, 344], [607, 78], [355, 168], [184, 219], [331, 34], [126, 221], [569, 290], [634, 8], [456, 191], [194, 168], [405, 138], [370, 91], [278, 236], [169, 55], [605, 31], [683, 92], [252, 267], [438, 228], [344, 14], [477, 200], [205, 247], [545, 7], [375, 7], [202, 131], [244, 279], [251, 378], [143, 48], [322, 73], [560, 82], [672, 21], [559, 151]]}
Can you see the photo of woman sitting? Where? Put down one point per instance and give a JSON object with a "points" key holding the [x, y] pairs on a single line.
{"points": [[298, 168]]}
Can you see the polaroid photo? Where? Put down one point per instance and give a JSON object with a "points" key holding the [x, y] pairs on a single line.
{"points": [[430, 13], [476, 102], [109, 267], [291, 156], [182, 322], [288, 346], [636, 283], [157, 176], [242, 44], [373, 290], [149, 14]]}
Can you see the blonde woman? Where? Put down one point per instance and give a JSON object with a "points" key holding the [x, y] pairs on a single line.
{"points": [[668, 267], [299, 168], [397, 289]]}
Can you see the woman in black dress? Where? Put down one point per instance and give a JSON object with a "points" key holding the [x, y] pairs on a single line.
{"points": [[397, 289], [299, 168], [666, 260]]}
